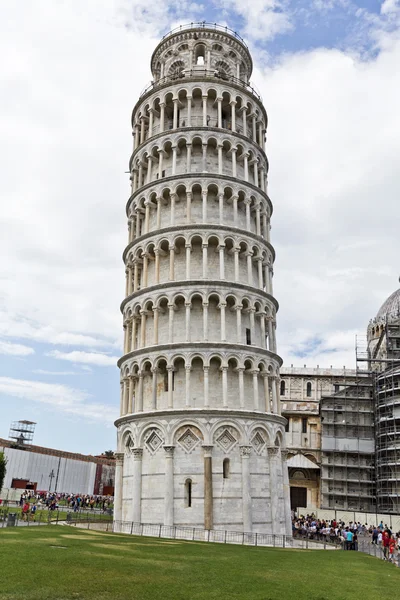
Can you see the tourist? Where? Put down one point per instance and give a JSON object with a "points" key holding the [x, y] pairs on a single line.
{"points": [[25, 510]]}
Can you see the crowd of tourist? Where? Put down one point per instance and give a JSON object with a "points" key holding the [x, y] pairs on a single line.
{"points": [[53, 501], [349, 535]]}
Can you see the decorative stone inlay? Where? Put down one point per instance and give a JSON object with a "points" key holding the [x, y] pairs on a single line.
{"points": [[153, 442], [188, 441], [226, 441], [258, 442]]}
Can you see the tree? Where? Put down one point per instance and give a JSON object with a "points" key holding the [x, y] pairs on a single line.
{"points": [[109, 453], [3, 469]]}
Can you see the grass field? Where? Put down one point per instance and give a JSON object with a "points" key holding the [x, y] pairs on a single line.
{"points": [[65, 563]]}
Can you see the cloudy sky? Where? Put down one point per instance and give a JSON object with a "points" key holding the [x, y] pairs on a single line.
{"points": [[70, 73]]}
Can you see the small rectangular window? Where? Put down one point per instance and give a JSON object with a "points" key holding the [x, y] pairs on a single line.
{"points": [[337, 387], [166, 382], [304, 425], [163, 174], [248, 337], [173, 381], [287, 426]]}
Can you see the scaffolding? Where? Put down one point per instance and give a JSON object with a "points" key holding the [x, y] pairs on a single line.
{"points": [[347, 458], [22, 432]]}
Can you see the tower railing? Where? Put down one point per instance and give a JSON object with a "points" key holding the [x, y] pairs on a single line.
{"points": [[203, 74], [206, 25]]}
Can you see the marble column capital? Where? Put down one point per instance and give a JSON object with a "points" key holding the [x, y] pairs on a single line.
{"points": [[137, 453], [169, 451], [119, 459], [273, 451], [245, 451], [207, 451]]}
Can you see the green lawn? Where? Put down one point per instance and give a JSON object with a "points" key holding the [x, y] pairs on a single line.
{"points": [[64, 563]]}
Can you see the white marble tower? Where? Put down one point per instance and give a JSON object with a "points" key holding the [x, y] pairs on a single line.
{"points": [[200, 435]]}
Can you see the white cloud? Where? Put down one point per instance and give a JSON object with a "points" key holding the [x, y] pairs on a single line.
{"points": [[390, 7], [90, 358], [263, 19], [58, 397], [15, 349], [45, 372]]}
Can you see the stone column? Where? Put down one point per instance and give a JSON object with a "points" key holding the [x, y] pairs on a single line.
{"points": [[204, 111], [143, 329], [157, 266], [254, 127], [249, 255], [130, 395], [189, 158], [221, 261], [174, 160], [175, 117], [204, 196], [252, 326], [219, 100], [255, 389], [224, 386], [233, 154], [171, 323], [236, 262], [260, 272], [246, 166], [118, 491], [206, 398], [188, 306], [220, 167], [204, 167], [233, 114], [189, 111], [266, 394], [273, 452], [169, 486], [286, 492], [187, 390], [151, 121], [205, 265], [245, 452], [239, 308], [189, 207], [247, 205], [137, 485], [244, 118], [126, 395], [121, 404], [275, 409], [160, 162], [205, 321], [172, 263], [162, 117], [221, 208], [142, 126], [134, 334], [222, 307], [208, 488], [149, 168], [140, 393], [170, 387], [129, 280], [154, 390], [188, 252], [241, 386]]}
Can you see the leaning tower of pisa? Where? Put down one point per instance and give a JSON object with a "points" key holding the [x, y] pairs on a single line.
{"points": [[200, 435]]}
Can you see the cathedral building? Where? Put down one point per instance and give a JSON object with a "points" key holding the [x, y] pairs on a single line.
{"points": [[201, 438]]}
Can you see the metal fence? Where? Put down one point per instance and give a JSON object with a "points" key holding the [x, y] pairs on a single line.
{"points": [[177, 532]]}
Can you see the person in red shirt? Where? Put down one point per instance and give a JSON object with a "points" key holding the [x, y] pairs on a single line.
{"points": [[392, 548], [25, 511], [385, 544]]}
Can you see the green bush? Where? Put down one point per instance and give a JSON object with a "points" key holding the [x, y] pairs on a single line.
{"points": [[3, 469]]}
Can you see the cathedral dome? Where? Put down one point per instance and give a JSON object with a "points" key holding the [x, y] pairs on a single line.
{"points": [[390, 309]]}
